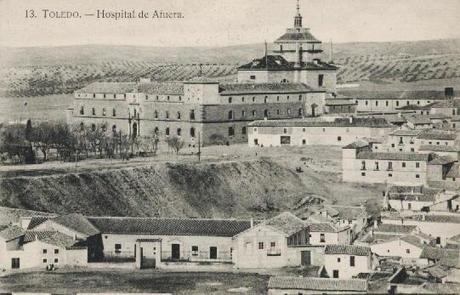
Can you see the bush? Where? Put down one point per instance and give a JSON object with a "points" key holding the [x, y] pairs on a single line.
{"points": [[217, 139]]}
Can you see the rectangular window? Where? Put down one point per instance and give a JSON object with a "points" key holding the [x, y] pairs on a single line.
{"points": [[320, 80], [194, 250], [352, 260], [252, 77], [322, 238], [417, 165], [403, 164], [117, 248], [45, 251], [273, 244], [45, 260], [261, 245], [56, 251], [56, 260], [417, 175]]}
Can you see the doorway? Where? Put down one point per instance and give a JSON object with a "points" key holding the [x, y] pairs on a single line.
{"points": [[212, 252], [175, 251], [305, 258]]}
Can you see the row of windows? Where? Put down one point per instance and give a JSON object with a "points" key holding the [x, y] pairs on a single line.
{"points": [[320, 80], [231, 114], [389, 167], [45, 251], [45, 260], [387, 103], [266, 98], [352, 260], [178, 115], [390, 175], [93, 111]]}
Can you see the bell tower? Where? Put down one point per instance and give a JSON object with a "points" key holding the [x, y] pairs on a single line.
{"points": [[298, 17]]}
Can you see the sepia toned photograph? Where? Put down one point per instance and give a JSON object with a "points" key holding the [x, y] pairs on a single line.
{"points": [[282, 147]]}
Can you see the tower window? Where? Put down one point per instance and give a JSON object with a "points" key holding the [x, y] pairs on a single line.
{"points": [[192, 115], [167, 131], [230, 115], [320, 80], [114, 112], [192, 132]]}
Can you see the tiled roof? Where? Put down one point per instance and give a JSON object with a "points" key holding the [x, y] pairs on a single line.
{"points": [[356, 144], [162, 88], [292, 35], [339, 122], [441, 160], [395, 228], [287, 223], [413, 240], [317, 284], [389, 95], [53, 238], [406, 132], [393, 156], [262, 88], [455, 103], [339, 102], [437, 135], [109, 87], [78, 223], [347, 249], [413, 197], [36, 221], [418, 119], [447, 257], [438, 288], [439, 148], [346, 212], [437, 218], [171, 227], [11, 232], [202, 80], [279, 63], [454, 171], [322, 227]]}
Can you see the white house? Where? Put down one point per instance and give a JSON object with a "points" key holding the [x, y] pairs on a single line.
{"points": [[21, 249], [439, 226], [324, 233], [339, 132], [277, 242], [408, 248], [280, 285], [347, 261], [354, 217]]}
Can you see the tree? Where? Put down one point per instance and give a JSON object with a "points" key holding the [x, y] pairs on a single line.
{"points": [[175, 143]]}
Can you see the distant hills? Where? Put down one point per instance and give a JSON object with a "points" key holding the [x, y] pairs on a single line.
{"points": [[35, 71]]}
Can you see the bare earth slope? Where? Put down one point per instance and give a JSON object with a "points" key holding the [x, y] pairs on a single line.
{"points": [[206, 190]]}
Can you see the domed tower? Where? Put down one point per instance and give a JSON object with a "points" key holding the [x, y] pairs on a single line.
{"points": [[298, 45]]}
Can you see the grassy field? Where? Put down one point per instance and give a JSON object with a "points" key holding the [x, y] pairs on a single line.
{"points": [[71, 282]]}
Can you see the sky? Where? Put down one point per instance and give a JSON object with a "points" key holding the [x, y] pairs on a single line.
{"points": [[226, 22]]}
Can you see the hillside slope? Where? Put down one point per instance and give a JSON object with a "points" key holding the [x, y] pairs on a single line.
{"points": [[205, 190]]}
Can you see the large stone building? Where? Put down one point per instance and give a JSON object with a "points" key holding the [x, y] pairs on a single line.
{"points": [[287, 85]]}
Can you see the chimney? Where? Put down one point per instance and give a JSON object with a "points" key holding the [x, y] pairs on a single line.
{"points": [[252, 222], [449, 92]]}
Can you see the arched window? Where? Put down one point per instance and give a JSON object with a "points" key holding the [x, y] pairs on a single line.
{"points": [[192, 115], [93, 127], [179, 132], [243, 130], [231, 131], [300, 112], [135, 113], [114, 112], [82, 126], [254, 113], [103, 112], [114, 128], [230, 99], [104, 128], [288, 111], [253, 99], [82, 110], [93, 111], [265, 99], [266, 113], [167, 115], [156, 131], [242, 99], [300, 97], [178, 115], [243, 113], [230, 115], [167, 131], [155, 114], [192, 132]]}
